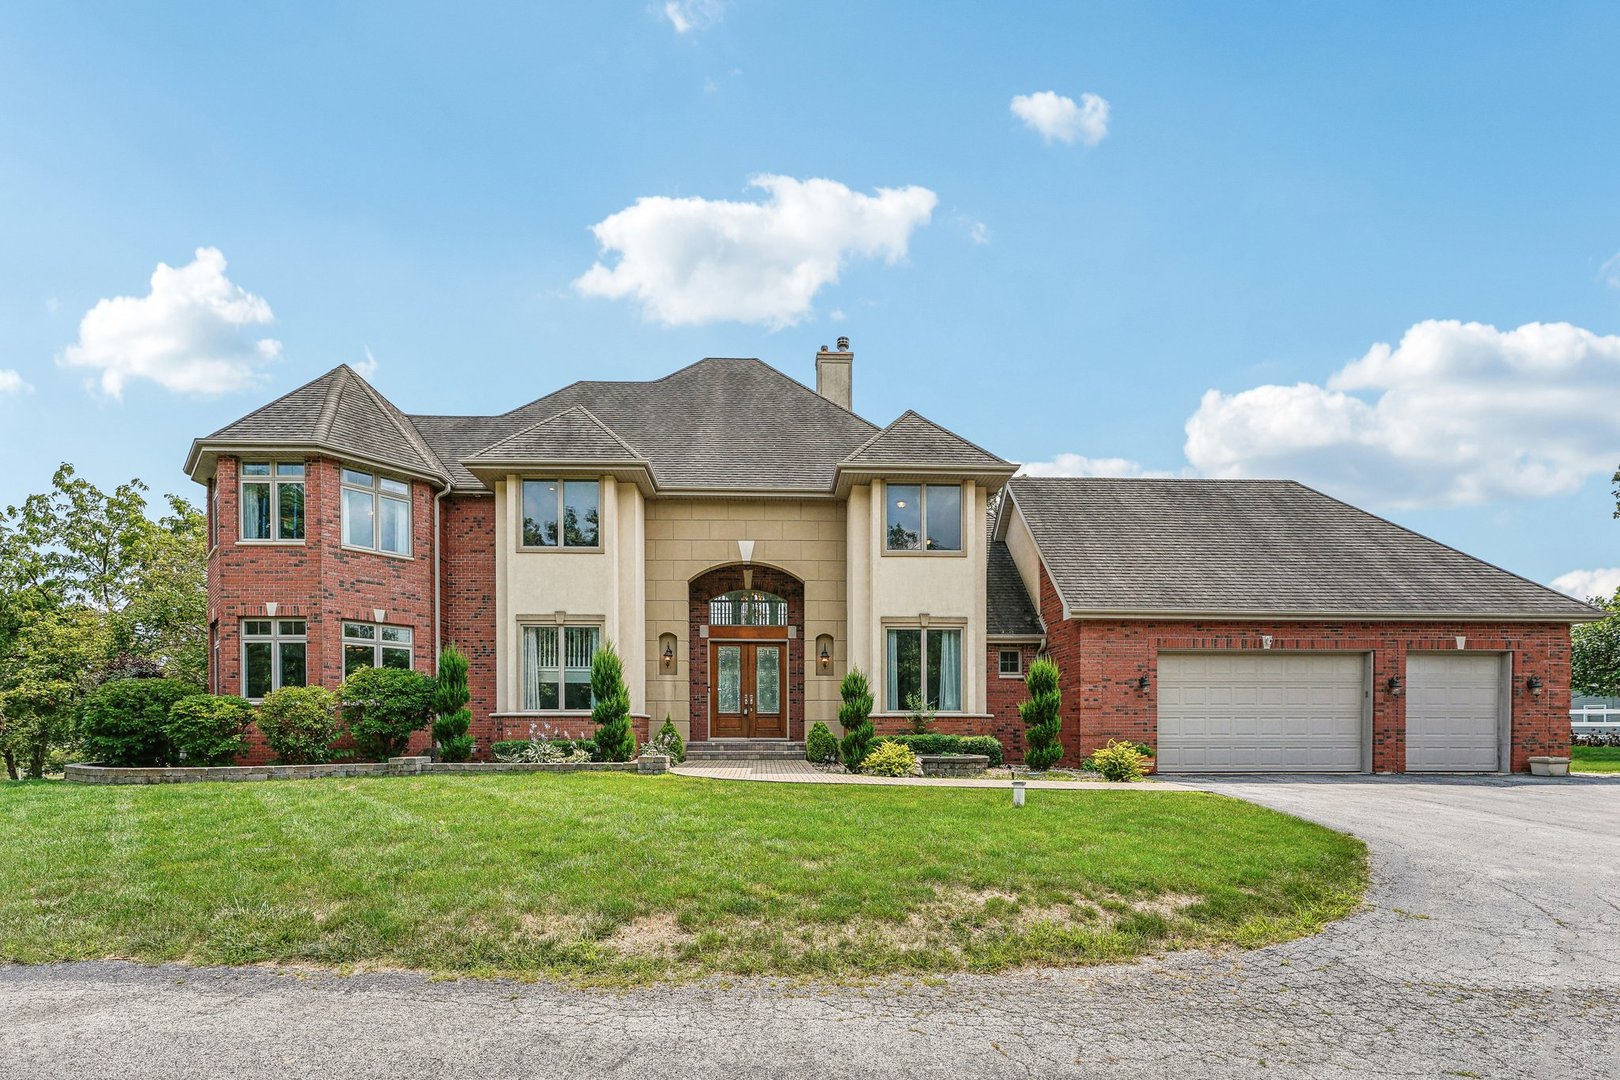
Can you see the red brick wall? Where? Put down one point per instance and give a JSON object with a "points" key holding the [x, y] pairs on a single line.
{"points": [[1003, 698], [467, 568], [1100, 660], [318, 581]]}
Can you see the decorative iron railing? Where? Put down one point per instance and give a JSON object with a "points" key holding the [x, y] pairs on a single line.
{"points": [[747, 611]]}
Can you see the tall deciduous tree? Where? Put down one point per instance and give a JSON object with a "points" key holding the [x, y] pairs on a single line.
{"points": [[1595, 653]]}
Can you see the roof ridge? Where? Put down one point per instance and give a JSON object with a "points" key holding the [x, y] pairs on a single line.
{"points": [[329, 403], [274, 401]]}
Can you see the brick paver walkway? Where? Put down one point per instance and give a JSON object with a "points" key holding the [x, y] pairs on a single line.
{"points": [[791, 771]]}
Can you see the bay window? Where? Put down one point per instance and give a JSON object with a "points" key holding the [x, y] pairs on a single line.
{"points": [[562, 513], [376, 513], [927, 662], [272, 500], [923, 517], [374, 645], [273, 655], [557, 667]]}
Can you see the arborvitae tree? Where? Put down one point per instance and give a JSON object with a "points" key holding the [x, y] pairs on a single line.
{"points": [[615, 741], [1042, 749], [450, 697], [855, 715]]}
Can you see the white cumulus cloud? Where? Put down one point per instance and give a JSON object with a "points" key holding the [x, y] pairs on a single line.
{"points": [[690, 261], [368, 367], [1456, 413], [194, 332], [689, 15], [11, 382], [1079, 465], [1059, 119], [1587, 584]]}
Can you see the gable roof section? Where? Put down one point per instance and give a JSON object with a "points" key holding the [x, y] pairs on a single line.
{"points": [[913, 439], [572, 435], [1256, 548], [339, 412], [1010, 611]]}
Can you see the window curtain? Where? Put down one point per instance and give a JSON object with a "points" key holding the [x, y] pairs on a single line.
{"points": [[950, 670], [892, 702], [539, 654]]}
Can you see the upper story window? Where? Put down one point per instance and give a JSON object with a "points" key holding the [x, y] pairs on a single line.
{"points": [[926, 662], [272, 500], [376, 512], [562, 513], [374, 645], [924, 517], [213, 513], [273, 655]]}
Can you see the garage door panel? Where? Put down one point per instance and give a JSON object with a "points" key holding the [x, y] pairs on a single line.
{"points": [[1453, 712], [1278, 712]]}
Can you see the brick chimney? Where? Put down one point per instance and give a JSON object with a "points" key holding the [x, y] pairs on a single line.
{"points": [[833, 373]]}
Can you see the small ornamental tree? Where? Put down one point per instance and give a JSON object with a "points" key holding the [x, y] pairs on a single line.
{"points": [[610, 708], [300, 723], [384, 707], [667, 742], [1040, 715], [450, 697], [855, 714], [820, 746]]}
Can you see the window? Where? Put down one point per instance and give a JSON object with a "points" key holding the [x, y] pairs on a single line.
{"points": [[553, 677], [376, 513], [926, 662], [924, 517], [213, 513], [213, 658], [373, 645], [272, 500], [1011, 664], [272, 655], [748, 607], [574, 503]]}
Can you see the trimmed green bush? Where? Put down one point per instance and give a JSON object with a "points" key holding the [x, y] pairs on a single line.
{"points": [[889, 759], [610, 709], [300, 723], [1120, 762], [820, 746], [124, 722], [667, 742], [383, 707], [855, 714], [450, 697], [1040, 714], [938, 743], [208, 729]]}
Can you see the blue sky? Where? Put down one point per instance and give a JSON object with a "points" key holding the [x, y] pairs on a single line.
{"points": [[1254, 202]]}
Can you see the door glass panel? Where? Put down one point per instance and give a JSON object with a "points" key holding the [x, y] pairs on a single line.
{"points": [[730, 678], [768, 679]]}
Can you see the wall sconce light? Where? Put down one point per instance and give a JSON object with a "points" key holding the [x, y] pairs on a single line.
{"points": [[666, 655], [825, 658], [1396, 687], [1140, 683], [1533, 684]]}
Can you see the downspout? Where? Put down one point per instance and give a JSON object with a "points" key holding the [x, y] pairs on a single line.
{"points": [[438, 564]]}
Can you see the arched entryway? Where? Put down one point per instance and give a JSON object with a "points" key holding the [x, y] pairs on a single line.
{"points": [[746, 628]]}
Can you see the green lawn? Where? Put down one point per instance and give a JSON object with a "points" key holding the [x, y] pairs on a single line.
{"points": [[1594, 759], [620, 879]]}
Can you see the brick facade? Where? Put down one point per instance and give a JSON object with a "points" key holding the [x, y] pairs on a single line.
{"points": [[1100, 661], [467, 603]]}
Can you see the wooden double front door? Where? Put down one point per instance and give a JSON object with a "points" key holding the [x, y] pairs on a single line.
{"points": [[747, 689]]}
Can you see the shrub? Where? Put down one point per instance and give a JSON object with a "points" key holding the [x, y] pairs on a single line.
{"points": [[820, 746], [208, 729], [450, 697], [1040, 715], [1597, 738], [889, 759], [1119, 762], [540, 751], [130, 666], [855, 714], [300, 723], [383, 707], [125, 722], [936, 743], [667, 742], [615, 740], [921, 718]]}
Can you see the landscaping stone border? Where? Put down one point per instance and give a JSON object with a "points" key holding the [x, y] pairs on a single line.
{"points": [[953, 764], [89, 773]]}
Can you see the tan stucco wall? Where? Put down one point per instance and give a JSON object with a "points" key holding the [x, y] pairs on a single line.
{"points": [[686, 537], [1021, 545]]}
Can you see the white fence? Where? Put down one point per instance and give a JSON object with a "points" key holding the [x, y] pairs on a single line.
{"points": [[1594, 720]]}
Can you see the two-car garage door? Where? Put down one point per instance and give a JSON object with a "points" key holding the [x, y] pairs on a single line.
{"points": [[1305, 712]]}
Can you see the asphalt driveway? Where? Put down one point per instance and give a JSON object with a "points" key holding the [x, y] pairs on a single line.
{"points": [[1490, 947]]}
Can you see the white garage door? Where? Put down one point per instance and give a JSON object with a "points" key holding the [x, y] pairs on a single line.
{"points": [[1260, 712], [1453, 712]]}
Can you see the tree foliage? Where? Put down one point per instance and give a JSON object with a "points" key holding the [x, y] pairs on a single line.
{"points": [[610, 708], [450, 697], [855, 714], [1595, 653], [1041, 715], [384, 707]]}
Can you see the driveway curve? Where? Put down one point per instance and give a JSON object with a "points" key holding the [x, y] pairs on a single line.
{"points": [[1490, 946]]}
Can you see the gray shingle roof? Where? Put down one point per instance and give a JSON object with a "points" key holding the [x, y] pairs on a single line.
{"points": [[1256, 547], [572, 435], [1010, 610], [913, 439]]}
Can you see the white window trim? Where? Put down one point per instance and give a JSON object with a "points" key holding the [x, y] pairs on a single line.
{"points": [[562, 483], [1003, 674], [521, 676], [964, 497], [375, 643], [958, 628], [276, 639], [275, 482], [377, 496]]}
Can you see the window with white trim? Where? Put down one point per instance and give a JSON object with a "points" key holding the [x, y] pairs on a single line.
{"points": [[375, 645], [557, 667], [376, 512], [926, 661], [923, 517], [1010, 664], [273, 655], [272, 500], [562, 513]]}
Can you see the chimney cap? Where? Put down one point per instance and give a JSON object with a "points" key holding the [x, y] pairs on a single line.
{"points": [[843, 344]]}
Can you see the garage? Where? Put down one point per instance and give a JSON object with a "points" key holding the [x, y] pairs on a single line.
{"points": [[1454, 712], [1262, 712]]}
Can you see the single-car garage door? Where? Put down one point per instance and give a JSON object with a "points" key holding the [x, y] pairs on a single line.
{"points": [[1453, 712], [1261, 712]]}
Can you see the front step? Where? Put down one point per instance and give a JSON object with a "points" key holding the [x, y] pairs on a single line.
{"points": [[744, 750]]}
